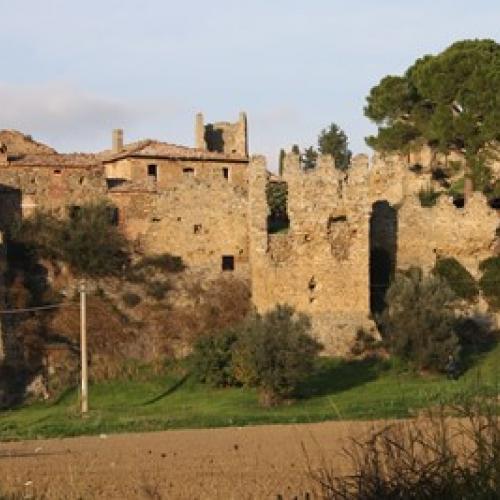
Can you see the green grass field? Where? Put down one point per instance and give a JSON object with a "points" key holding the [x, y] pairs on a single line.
{"points": [[338, 390]]}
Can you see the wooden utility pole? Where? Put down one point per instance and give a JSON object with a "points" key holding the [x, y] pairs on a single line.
{"points": [[83, 349]]}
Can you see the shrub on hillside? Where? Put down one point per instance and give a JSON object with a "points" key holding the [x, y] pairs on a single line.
{"points": [[418, 323], [490, 280], [87, 240], [274, 353], [457, 277], [212, 358]]}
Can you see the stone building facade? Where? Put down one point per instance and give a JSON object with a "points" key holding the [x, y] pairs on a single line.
{"points": [[207, 204]]}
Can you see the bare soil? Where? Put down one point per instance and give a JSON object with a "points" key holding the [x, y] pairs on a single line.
{"points": [[230, 463]]}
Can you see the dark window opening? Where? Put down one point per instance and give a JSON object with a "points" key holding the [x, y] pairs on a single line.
{"points": [[112, 183], [155, 219], [197, 229], [114, 216], [334, 220], [494, 203], [153, 171], [74, 210], [225, 173], [188, 171], [277, 201], [57, 171], [459, 202], [228, 263]]}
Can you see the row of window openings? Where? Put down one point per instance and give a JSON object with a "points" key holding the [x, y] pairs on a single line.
{"points": [[227, 263], [187, 171]]}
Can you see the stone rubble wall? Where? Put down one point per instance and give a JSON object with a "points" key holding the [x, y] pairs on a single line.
{"points": [[24, 189], [427, 233], [197, 220], [320, 267]]}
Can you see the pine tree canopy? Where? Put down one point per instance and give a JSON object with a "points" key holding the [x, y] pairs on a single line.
{"points": [[450, 101]]}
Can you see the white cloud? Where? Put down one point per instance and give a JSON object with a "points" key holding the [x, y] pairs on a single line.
{"points": [[71, 119]]}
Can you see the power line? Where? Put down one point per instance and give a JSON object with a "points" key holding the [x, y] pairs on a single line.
{"points": [[37, 308]]}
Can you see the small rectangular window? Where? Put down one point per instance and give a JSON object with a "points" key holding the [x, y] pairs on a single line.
{"points": [[57, 171], [73, 211], [153, 171], [228, 263], [197, 229], [225, 173], [188, 171]]}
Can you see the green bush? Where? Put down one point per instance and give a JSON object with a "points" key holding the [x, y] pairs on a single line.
{"points": [[274, 353], [457, 277], [428, 196], [212, 358], [418, 323], [131, 299], [87, 240], [490, 280]]}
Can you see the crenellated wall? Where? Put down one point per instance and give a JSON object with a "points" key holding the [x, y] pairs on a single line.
{"points": [[426, 233], [320, 266]]}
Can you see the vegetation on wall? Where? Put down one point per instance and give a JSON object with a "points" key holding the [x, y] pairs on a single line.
{"points": [[457, 277], [277, 194], [428, 196], [490, 280]]}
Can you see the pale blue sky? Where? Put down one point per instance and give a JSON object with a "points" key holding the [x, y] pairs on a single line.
{"points": [[72, 70]]}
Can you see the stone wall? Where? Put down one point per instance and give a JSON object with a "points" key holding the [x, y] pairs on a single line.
{"points": [[169, 173], [320, 267], [425, 233], [199, 220], [222, 137], [25, 188]]}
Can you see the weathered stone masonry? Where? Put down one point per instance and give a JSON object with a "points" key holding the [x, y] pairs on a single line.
{"points": [[208, 205]]}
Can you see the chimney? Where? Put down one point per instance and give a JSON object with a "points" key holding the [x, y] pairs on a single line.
{"points": [[199, 132], [117, 140]]}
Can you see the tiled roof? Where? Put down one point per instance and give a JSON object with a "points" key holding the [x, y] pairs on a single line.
{"points": [[150, 149], [55, 160]]}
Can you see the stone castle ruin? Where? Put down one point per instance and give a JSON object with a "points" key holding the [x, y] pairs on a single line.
{"points": [[349, 230]]}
